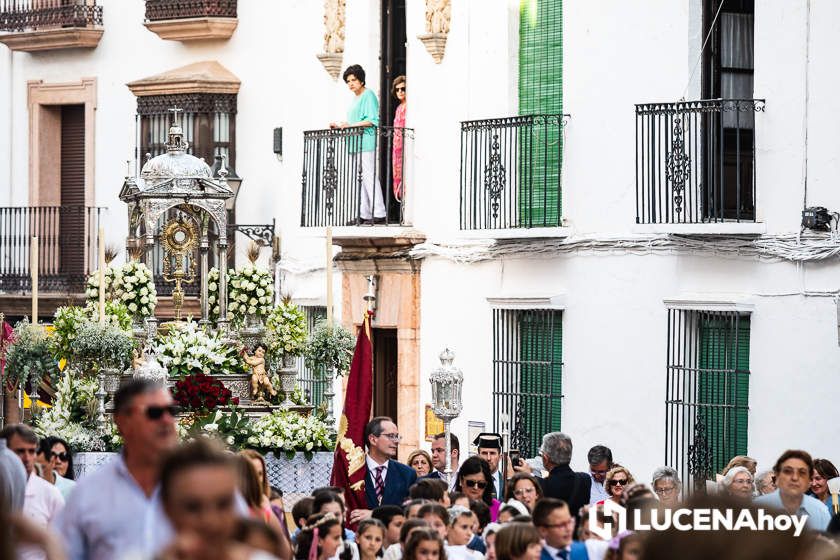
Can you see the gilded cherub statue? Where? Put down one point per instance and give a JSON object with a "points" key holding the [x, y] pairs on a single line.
{"points": [[260, 382]]}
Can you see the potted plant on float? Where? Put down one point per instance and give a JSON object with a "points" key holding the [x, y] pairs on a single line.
{"points": [[329, 352], [29, 358], [285, 340], [103, 350]]}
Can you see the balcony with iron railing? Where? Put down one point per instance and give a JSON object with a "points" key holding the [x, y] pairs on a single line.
{"points": [[356, 176], [40, 25], [67, 247], [696, 164], [188, 20], [511, 171]]}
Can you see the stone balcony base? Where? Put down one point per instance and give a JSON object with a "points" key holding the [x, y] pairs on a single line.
{"points": [[193, 29], [53, 39]]}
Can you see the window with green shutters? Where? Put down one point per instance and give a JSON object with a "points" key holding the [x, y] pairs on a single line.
{"points": [[528, 374], [724, 385], [540, 93], [707, 391]]}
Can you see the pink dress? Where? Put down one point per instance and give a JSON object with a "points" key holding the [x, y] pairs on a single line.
{"points": [[397, 153]]}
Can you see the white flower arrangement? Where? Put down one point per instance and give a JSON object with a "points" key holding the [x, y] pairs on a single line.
{"points": [[250, 292], [72, 417], [290, 432], [132, 283], [189, 348]]}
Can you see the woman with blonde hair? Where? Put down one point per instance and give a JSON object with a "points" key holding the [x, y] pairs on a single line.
{"points": [[420, 461], [618, 478]]}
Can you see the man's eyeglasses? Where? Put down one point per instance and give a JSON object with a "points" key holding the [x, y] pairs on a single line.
{"points": [[156, 412], [480, 484], [393, 437], [618, 482]]}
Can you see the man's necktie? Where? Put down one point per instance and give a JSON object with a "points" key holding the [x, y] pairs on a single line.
{"points": [[563, 554], [380, 484]]}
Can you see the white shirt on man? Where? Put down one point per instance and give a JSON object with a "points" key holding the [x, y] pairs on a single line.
{"points": [[597, 492], [372, 465], [41, 505]]}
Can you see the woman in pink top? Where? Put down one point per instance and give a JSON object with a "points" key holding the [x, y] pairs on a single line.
{"points": [[399, 123]]}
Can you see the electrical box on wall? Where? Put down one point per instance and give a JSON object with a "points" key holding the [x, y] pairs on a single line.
{"points": [[278, 142]]}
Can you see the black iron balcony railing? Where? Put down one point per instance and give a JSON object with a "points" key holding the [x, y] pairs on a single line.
{"points": [[32, 15], [67, 246], [157, 10], [695, 161], [356, 176], [511, 171]]}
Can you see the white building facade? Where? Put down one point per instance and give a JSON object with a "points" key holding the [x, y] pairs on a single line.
{"points": [[634, 275]]}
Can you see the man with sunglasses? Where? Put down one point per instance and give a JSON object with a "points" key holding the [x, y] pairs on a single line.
{"points": [[48, 459], [117, 510], [387, 481]]}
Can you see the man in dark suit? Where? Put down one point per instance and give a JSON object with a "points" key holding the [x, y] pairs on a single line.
{"points": [[556, 526], [439, 458], [562, 482], [387, 481]]}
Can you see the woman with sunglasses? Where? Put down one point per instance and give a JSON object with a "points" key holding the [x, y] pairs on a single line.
{"points": [[399, 124], [476, 482], [52, 455], [64, 457], [617, 480]]}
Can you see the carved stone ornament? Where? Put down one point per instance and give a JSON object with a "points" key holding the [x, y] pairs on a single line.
{"points": [[333, 54], [438, 16]]}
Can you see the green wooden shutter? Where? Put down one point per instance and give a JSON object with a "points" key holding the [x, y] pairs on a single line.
{"points": [[541, 377], [723, 385], [540, 93]]}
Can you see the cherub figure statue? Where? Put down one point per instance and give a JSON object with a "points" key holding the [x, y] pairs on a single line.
{"points": [[137, 359], [260, 382]]}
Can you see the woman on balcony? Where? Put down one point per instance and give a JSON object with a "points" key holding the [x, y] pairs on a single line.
{"points": [[399, 125], [364, 113]]}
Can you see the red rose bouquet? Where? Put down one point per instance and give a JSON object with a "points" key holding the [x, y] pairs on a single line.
{"points": [[201, 392]]}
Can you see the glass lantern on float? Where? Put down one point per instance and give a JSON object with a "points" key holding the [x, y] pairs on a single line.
{"points": [[447, 383]]}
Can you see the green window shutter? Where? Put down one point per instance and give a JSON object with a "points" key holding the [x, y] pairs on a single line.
{"points": [[541, 374], [540, 93], [723, 385]]}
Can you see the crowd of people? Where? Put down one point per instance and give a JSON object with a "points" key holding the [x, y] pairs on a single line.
{"points": [[160, 499]]}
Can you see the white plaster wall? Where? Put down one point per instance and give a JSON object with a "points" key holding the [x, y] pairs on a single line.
{"points": [[614, 346]]}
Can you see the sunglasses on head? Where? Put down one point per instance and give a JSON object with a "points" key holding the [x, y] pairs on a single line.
{"points": [[480, 484], [156, 412]]}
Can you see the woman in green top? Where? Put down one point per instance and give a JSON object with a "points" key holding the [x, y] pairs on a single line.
{"points": [[364, 113]]}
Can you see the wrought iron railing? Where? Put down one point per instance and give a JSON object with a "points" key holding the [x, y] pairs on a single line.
{"points": [[695, 161], [33, 15], [356, 176], [511, 171], [67, 246], [157, 10]]}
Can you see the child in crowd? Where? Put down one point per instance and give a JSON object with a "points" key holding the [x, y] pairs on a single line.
{"points": [[395, 551], [257, 535], [320, 539], [458, 499], [424, 544], [482, 519], [489, 537], [459, 534], [412, 507], [437, 517], [392, 517], [369, 539], [300, 513]]}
